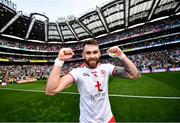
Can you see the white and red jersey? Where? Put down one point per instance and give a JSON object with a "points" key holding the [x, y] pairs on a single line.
{"points": [[93, 88]]}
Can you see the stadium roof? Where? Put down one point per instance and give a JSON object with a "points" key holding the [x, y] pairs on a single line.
{"points": [[112, 16]]}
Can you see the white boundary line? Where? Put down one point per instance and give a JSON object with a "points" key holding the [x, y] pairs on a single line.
{"points": [[111, 95]]}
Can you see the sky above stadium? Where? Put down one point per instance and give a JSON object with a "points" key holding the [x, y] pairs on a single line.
{"points": [[57, 8]]}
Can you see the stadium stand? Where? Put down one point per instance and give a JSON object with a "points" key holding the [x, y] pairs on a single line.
{"points": [[29, 52]]}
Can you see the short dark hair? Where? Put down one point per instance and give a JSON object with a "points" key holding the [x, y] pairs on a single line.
{"points": [[90, 42]]}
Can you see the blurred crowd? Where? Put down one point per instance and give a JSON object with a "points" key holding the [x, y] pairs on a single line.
{"points": [[142, 30], [24, 45], [14, 73], [155, 60], [150, 60], [135, 45]]}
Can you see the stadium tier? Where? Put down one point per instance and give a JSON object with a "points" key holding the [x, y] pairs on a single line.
{"points": [[147, 31], [114, 16], [152, 45]]}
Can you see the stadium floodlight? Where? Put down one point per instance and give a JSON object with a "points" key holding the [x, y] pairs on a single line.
{"points": [[86, 39], [157, 19], [136, 25], [11, 36], [38, 41], [102, 35], [177, 13], [119, 30], [55, 42]]}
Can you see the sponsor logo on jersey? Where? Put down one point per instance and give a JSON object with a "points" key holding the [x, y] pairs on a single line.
{"points": [[98, 86], [85, 74], [97, 97], [103, 72]]}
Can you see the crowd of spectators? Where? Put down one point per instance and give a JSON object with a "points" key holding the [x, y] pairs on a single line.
{"points": [[151, 60], [14, 73], [141, 30], [135, 45], [156, 60], [30, 45]]}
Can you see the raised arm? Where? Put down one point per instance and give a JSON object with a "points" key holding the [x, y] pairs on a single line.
{"points": [[128, 70], [56, 83]]}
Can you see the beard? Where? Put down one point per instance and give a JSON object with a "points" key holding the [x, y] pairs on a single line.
{"points": [[92, 63]]}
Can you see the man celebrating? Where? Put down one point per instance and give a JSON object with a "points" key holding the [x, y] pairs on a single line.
{"points": [[91, 79]]}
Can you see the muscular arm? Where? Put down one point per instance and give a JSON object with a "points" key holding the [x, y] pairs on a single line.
{"points": [[56, 83], [128, 70]]}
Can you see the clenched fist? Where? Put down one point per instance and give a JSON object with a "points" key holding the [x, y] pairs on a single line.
{"points": [[115, 52], [65, 54]]}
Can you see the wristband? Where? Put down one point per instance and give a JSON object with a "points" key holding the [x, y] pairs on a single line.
{"points": [[58, 62]]}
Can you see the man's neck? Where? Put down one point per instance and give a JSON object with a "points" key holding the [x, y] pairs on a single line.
{"points": [[90, 67]]}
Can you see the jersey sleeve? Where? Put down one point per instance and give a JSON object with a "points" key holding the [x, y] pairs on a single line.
{"points": [[110, 68], [74, 74]]}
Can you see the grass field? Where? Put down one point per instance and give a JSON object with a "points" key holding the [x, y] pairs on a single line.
{"points": [[27, 102]]}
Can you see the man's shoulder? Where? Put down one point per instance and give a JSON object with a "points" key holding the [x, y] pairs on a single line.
{"points": [[106, 65], [80, 67]]}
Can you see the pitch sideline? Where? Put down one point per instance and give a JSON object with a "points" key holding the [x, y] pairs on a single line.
{"points": [[111, 95]]}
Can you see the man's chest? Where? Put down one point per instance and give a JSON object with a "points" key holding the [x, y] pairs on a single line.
{"points": [[93, 81]]}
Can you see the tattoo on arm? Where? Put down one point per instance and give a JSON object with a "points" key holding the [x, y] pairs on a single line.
{"points": [[125, 72], [127, 68], [120, 72]]}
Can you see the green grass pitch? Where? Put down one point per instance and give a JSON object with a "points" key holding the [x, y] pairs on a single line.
{"points": [[23, 106]]}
